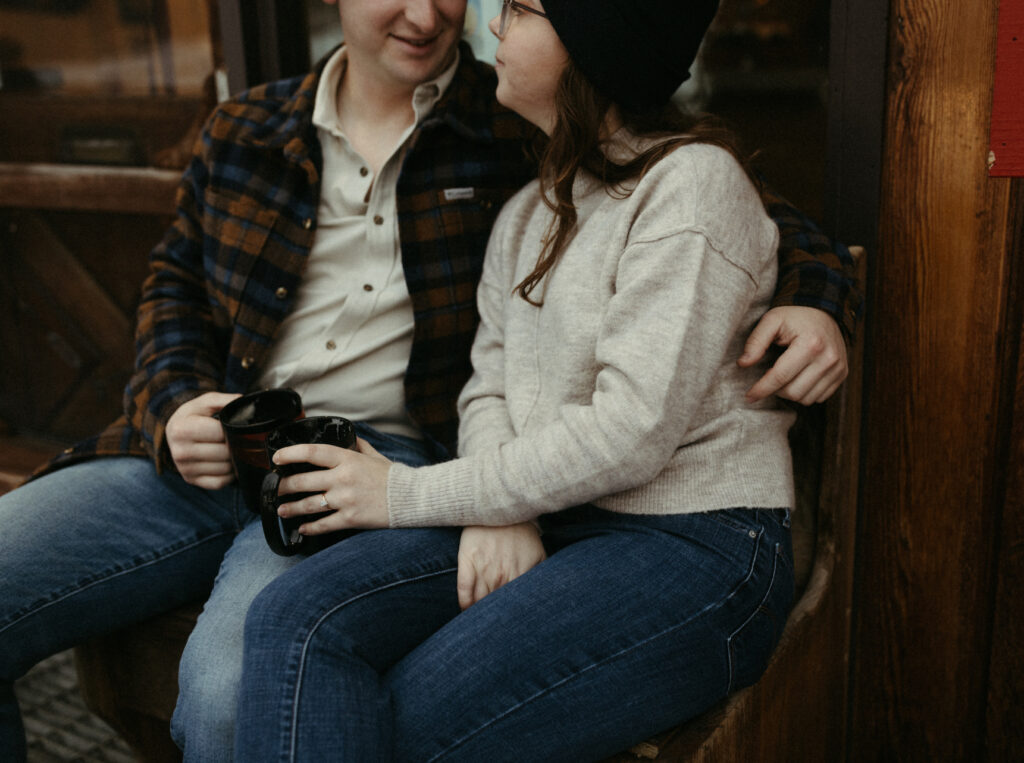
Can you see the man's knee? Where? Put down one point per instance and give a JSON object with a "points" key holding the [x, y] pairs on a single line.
{"points": [[204, 718]]}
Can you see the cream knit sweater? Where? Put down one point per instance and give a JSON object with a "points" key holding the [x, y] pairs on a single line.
{"points": [[623, 389]]}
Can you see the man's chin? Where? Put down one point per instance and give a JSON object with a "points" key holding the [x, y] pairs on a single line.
{"points": [[418, 71]]}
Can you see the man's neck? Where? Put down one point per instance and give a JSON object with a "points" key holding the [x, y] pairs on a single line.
{"points": [[372, 117]]}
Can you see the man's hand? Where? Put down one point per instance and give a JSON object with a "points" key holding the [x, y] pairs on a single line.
{"points": [[814, 363], [196, 442], [489, 557]]}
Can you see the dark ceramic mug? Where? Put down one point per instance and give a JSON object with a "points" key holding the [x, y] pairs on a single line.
{"points": [[282, 533], [247, 421]]}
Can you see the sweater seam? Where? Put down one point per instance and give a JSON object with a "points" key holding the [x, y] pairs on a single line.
{"points": [[698, 231]]}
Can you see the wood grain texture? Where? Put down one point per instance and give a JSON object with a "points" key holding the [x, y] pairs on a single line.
{"points": [[1005, 705], [66, 319], [36, 128], [19, 456], [938, 300], [119, 682], [137, 190]]}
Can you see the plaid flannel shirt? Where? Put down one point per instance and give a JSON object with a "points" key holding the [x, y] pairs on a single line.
{"points": [[814, 270], [227, 271]]}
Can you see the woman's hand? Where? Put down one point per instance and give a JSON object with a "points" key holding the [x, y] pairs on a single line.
{"points": [[354, 484], [489, 557], [196, 442]]}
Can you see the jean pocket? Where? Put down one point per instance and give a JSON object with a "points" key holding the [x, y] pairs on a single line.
{"points": [[741, 519], [751, 645]]}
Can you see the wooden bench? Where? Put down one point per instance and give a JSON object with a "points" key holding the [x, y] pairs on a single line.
{"points": [[19, 456], [795, 712]]}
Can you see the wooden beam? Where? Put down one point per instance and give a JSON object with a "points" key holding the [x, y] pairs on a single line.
{"points": [[938, 307], [132, 190], [1005, 706]]}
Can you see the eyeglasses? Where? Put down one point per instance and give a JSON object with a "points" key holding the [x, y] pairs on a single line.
{"points": [[509, 10]]}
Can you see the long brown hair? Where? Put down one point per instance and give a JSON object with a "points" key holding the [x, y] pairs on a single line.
{"points": [[576, 143]]}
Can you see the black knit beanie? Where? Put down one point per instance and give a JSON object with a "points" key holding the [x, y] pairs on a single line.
{"points": [[636, 52]]}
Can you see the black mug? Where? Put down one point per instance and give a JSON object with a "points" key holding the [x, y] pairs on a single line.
{"points": [[247, 421], [282, 533]]}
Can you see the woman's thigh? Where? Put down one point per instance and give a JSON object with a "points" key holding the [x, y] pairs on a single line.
{"points": [[632, 625], [214, 651], [212, 664], [320, 637]]}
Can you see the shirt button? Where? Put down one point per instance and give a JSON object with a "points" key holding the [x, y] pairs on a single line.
{"points": [[248, 362], [307, 223], [367, 287], [363, 171], [331, 344], [378, 220], [281, 292]]}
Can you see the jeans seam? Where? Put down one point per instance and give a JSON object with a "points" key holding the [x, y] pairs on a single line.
{"points": [[760, 604], [664, 632], [106, 578], [294, 721]]}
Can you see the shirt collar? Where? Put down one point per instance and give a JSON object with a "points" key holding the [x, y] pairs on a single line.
{"points": [[325, 108]]}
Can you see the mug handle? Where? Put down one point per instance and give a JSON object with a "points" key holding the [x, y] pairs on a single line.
{"points": [[273, 526]]}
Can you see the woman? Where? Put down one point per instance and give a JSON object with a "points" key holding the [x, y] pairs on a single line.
{"points": [[626, 557]]}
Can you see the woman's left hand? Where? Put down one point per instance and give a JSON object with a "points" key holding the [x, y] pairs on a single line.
{"points": [[490, 557], [354, 484]]}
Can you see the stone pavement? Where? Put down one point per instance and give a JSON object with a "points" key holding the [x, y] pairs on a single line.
{"points": [[59, 727]]}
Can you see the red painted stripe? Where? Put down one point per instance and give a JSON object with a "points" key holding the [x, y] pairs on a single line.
{"points": [[1007, 130]]}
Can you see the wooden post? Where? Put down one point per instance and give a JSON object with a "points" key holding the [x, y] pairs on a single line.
{"points": [[942, 350]]}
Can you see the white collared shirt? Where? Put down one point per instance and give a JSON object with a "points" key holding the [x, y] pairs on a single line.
{"points": [[345, 346]]}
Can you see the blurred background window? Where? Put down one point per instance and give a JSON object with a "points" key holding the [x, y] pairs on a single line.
{"points": [[126, 81], [104, 81]]}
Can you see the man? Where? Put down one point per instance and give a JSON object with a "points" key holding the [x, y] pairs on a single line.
{"points": [[329, 237]]}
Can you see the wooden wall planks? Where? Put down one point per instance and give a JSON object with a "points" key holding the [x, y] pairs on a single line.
{"points": [[67, 313], [1005, 703], [940, 315]]}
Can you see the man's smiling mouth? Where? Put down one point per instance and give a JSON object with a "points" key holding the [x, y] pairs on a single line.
{"points": [[418, 43]]}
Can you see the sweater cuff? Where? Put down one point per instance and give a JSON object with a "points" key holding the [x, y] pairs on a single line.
{"points": [[431, 496]]}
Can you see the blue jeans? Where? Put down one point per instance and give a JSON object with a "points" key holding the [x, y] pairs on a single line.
{"points": [[107, 543], [633, 624]]}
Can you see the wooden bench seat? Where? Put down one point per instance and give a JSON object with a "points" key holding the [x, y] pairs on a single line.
{"points": [[19, 456]]}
